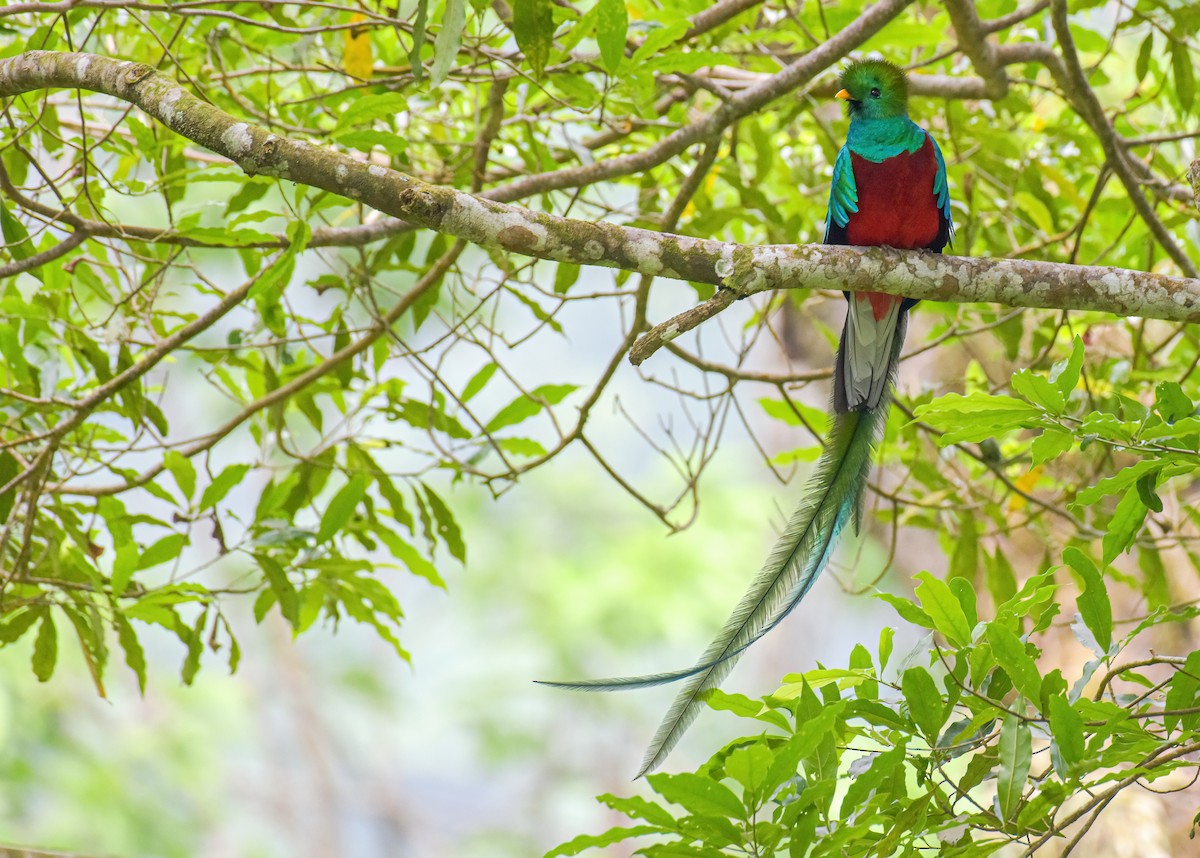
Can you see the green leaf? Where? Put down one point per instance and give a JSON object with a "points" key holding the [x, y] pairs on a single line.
{"points": [[1177, 429], [1142, 66], [1039, 390], [194, 638], [697, 794], [943, 607], [636, 807], [521, 447], [223, 236], [124, 565], [659, 38], [1171, 402], [366, 140], [1155, 583], [272, 280], [447, 527], [908, 610], [813, 730], [749, 766], [449, 37], [1065, 374], [1119, 481], [423, 416], [1125, 524], [883, 768], [795, 683], [975, 417], [1016, 755], [595, 841], [16, 623], [410, 557], [478, 381], [908, 821], [1067, 728], [16, 237], [1148, 492], [1012, 655], [533, 25], [366, 110], [1001, 580], [964, 560], [924, 702], [1185, 81], [9, 468], [1051, 444], [134, 656], [45, 648], [524, 407], [786, 764], [281, 586], [886, 636], [612, 24], [1182, 694], [164, 550], [1093, 603], [221, 485], [564, 277], [420, 21], [341, 507], [182, 470], [1037, 211], [964, 591]]}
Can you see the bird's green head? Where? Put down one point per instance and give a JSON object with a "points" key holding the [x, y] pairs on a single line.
{"points": [[874, 89]]}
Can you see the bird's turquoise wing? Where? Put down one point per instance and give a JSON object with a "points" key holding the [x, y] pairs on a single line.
{"points": [[941, 187], [843, 194]]}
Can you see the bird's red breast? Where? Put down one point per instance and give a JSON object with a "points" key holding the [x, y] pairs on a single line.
{"points": [[896, 204]]}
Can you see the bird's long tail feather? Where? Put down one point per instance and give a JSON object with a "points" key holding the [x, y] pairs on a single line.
{"points": [[833, 495]]}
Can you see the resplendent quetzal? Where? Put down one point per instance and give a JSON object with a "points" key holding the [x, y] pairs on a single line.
{"points": [[889, 189]]}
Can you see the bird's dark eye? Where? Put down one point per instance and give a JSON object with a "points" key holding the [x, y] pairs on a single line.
{"points": [[874, 92]]}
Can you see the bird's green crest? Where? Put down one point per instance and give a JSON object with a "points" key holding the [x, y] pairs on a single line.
{"points": [[878, 89]]}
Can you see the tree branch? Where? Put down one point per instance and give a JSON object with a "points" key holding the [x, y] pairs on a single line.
{"points": [[742, 269], [1194, 178], [29, 263], [1074, 82], [975, 44], [749, 101], [279, 394]]}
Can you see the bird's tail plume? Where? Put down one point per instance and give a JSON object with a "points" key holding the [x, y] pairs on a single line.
{"points": [[833, 496]]}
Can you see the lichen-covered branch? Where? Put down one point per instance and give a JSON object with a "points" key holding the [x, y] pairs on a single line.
{"points": [[1018, 282], [742, 269], [1194, 178]]}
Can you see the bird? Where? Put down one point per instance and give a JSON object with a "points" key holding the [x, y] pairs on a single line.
{"points": [[889, 189]]}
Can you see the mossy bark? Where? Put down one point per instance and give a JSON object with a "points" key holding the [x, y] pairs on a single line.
{"points": [[741, 269]]}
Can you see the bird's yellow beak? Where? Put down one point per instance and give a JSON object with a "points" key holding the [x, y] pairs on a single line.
{"points": [[843, 95]]}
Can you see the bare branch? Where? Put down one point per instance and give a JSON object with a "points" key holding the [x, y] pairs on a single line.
{"points": [[716, 15], [758, 96], [280, 394], [37, 260], [975, 44], [1085, 101]]}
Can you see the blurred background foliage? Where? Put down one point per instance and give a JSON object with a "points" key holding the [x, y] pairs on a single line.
{"points": [[211, 443]]}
